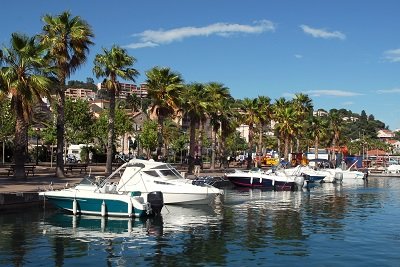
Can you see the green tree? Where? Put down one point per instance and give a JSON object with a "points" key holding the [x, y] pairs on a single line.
{"points": [[7, 121], [68, 39], [112, 64], [79, 120], [164, 89], [287, 122], [217, 96], [134, 102], [316, 129], [180, 143], [149, 136], [235, 143], [194, 104], [122, 125], [25, 79], [170, 133], [336, 126], [264, 115], [303, 105], [250, 117]]}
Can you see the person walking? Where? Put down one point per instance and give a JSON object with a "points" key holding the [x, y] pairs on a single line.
{"points": [[197, 166], [90, 156]]}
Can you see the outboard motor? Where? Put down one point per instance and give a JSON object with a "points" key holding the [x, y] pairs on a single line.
{"points": [[156, 201]]}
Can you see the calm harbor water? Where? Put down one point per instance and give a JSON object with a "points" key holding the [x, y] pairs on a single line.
{"points": [[330, 225]]}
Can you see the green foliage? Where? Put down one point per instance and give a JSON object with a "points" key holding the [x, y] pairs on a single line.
{"points": [[181, 142], [89, 84], [78, 121], [149, 136], [235, 143], [122, 125], [49, 134], [7, 120]]}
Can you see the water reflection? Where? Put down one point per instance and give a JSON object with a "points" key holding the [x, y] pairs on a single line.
{"points": [[250, 226]]}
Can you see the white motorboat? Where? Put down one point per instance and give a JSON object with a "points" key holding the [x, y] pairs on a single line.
{"points": [[338, 174], [100, 197], [147, 176]]}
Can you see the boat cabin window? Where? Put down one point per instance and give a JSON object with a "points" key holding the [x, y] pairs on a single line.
{"points": [[169, 174], [152, 173]]}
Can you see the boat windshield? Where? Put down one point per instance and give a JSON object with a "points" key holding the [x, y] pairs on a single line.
{"points": [[88, 180]]}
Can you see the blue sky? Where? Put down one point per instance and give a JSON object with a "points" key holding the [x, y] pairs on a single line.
{"points": [[342, 53]]}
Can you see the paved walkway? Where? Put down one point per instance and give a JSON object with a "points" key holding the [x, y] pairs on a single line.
{"points": [[44, 179]]}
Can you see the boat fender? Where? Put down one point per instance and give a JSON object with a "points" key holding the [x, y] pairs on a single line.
{"points": [[103, 209], [74, 207], [130, 208]]}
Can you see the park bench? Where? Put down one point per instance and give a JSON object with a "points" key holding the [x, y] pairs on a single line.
{"points": [[29, 169], [75, 166]]}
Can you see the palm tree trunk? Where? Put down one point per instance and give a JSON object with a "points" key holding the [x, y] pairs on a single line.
{"points": [[316, 144], [159, 134], [20, 141], [200, 141], [260, 138], [110, 137], [60, 134], [192, 144], [286, 151], [213, 142]]}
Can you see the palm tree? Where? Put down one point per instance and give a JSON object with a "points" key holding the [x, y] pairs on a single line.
{"points": [[316, 129], [170, 133], [336, 125], [164, 87], [24, 78], [251, 118], [134, 102], [287, 122], [194, 106], [68, 39], [217, 94], [229, 119], [112, 64], [264, 115], [304, 107]]}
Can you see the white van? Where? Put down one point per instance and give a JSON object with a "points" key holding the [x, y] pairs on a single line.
{"points": [[74, 153]]}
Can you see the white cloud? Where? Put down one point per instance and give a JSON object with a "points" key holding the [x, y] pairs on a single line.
{"points": [[141, 45], [322, 33], [298, 56], [151, 38], [338, 93], [348, 103], [389, 91], [392, 55]]}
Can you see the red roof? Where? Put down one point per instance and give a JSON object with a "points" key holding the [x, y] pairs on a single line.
{"points": [[377, 152]]}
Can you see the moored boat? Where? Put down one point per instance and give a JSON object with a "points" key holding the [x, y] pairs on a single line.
{"points": [[146, 176], [96, 197], [257, 178]]}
